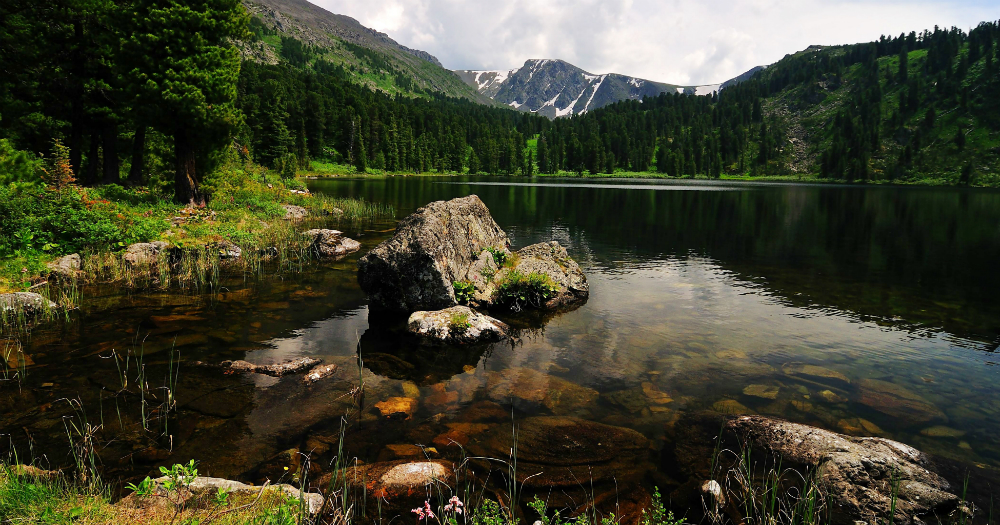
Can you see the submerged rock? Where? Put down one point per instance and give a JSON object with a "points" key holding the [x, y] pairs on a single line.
{"points": [[457, 325], [528, 389], [275, 370], [815, 373], [397, 407], [319, 373], [555, 451], [431, 250], [331, 244], [395, 487], [143, 253], [854, 472], [67, 267], [27, 303], [894, 400]]}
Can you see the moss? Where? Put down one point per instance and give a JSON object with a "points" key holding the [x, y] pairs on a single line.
{"points": [[459, 322]]}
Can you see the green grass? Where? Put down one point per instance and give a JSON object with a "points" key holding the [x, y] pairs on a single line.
{"points": [[39, 224]]}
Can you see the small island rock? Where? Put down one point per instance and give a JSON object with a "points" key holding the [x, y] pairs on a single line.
{"points": [[457, 325], [331, 244]]}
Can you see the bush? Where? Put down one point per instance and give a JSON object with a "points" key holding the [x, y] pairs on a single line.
{"points": [[18, 167], [517, 290]]}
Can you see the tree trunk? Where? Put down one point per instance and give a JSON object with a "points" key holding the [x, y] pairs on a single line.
{"points": [[186, 189], [92, 159], [138, 156], [76, 142], [112, 174]]}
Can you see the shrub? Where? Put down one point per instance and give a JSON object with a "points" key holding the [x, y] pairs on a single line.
{"points": [[464, 291], [18, 167], [517, 290]]}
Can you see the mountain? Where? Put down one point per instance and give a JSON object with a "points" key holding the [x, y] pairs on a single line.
{"points": [[555, 88], [373, 58]]}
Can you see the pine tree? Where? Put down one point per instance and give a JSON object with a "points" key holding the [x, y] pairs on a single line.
{"points": [[904, 66], [183, 69], [360, 154]]}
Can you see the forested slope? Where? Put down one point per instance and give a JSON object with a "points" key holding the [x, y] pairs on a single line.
{"points": [[917, 106]]}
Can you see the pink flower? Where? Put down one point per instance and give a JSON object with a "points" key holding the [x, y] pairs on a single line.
{"points": [[427, 509], [419, 512], [455, 503]]}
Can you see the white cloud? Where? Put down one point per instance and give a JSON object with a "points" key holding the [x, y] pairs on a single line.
{"points": [[678, 41]]}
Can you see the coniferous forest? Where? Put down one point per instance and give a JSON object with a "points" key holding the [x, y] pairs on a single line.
{"points": [[133, 96]]}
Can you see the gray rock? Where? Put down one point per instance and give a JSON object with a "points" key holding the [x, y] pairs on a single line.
{"points": [[552, 260], [331, 244], [143, 253], [457, 325], [28, 303], [275, 370], [67, 267], [855, 473], [294, 213], [228, 250], [431, 249], [207, 485]]}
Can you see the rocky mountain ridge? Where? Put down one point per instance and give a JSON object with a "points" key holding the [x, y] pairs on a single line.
{"points": [[555, 88]]}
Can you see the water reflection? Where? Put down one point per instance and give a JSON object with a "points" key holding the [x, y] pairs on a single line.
{"points": [[854, 309]]}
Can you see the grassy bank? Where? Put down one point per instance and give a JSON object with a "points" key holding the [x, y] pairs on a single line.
{"points": [[41, 222], [329, 170]]}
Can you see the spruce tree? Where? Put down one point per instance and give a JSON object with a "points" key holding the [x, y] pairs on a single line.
{"points": [[182, 70]]}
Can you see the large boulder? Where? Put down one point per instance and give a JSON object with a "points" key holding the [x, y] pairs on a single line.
{"points": [[431, 250], [857, 475], [331, 244], [457, 325], [25, 303], [67, 267]]}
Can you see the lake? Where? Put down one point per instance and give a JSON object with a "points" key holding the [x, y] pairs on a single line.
{"points": [[864, 310]]}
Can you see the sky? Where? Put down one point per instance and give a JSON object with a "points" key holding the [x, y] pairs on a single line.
{"points": [[687, 42]]}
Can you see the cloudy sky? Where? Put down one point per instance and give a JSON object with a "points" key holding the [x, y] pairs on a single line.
{"points": [[678, 41]]}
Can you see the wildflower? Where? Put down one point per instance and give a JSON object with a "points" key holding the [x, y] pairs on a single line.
{"points": [[427, 509], [419, 512], [454, 504], [24, 270]]}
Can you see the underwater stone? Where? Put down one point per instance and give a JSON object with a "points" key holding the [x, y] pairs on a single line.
{"points": [[894, 400]]}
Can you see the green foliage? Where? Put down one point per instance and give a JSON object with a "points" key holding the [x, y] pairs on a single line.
{"points": [[517, 290], [459, 322], [465, 291], [500, 256], [179, 476], [145, 488], [71, 220], [18, 167], [657, 514], [490, 513]]}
